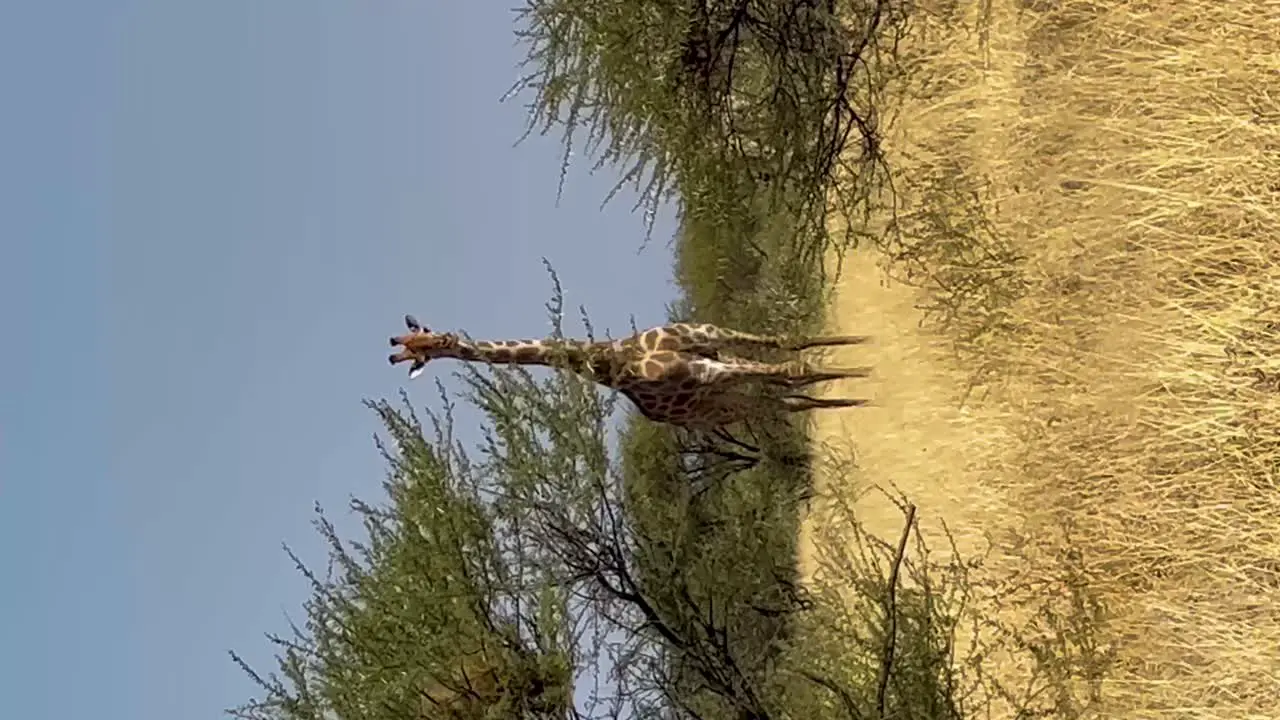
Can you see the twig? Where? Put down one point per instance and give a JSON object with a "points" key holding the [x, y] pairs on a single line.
{"points": [[891, 612], [850, 706]]}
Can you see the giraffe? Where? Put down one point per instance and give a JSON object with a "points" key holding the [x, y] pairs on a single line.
{"points": [[680, 374]]}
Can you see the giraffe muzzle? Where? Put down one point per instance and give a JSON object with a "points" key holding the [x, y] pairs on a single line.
{"points": [[402, 356]]}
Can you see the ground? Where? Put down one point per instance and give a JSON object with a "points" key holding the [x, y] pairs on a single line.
{"points": [[1093, 190]]}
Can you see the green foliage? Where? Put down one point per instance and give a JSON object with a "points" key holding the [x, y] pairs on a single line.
{"points": [[733, 110], [430, 609]]}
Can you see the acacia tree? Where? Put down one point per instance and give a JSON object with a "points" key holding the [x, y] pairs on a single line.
{"points": [[432, 613], [720, 105]]}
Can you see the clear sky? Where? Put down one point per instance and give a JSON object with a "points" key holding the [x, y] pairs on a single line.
{"points": [[213, 213]]}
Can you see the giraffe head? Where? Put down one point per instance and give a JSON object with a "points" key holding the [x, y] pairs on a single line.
{"points": [[420, 345]]}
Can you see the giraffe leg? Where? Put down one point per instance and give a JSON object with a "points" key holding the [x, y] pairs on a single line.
{"points": [[729, 407], [824, 374], [827, 341], [720, 338], [800, 403], [789, 374], [717, 410]]}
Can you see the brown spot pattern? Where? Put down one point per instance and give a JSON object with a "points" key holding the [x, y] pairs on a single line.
{"points": [[668, 342], [652, 369]]}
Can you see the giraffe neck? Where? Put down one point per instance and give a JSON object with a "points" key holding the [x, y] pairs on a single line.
{"points": [[575, 355]]}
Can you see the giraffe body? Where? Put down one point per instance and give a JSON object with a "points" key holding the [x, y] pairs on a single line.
{"points": [[682, 374]]}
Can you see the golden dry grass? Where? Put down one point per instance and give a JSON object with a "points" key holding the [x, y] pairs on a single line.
{"points": [[1091, 194]]}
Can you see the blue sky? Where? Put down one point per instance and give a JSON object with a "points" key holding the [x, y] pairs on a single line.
{"points": [[212, 215]]}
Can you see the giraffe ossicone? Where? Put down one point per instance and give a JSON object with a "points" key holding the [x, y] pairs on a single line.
{"points": [[682, 374]]}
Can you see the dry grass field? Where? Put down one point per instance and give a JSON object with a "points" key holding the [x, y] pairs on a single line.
{"points": [[1078, 363]]}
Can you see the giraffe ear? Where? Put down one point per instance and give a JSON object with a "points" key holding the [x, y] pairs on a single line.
{"points": [[416, 369], [412, 323]]}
